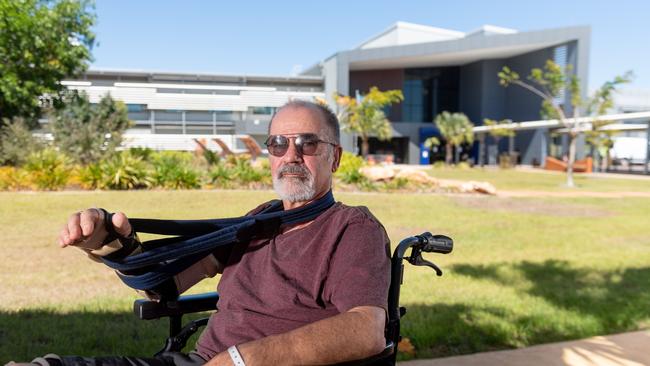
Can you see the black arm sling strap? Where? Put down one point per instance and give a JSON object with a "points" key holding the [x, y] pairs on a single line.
{"points": [[195, 239]]}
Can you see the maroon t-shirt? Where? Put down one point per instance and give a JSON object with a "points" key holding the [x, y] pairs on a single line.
{"points": [[284, 281]]}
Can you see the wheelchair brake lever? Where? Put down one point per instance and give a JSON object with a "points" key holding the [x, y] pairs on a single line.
{"points": [[419, 261]]}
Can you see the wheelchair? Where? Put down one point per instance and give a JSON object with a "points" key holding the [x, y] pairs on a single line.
{"points": [[188, 304]]}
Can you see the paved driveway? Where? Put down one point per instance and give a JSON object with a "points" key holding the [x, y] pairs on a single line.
{"points": [[626, 349]]}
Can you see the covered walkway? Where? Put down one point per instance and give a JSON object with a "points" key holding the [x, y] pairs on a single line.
{"points": [[639, 121]]}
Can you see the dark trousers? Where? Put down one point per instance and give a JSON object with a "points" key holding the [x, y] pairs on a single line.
{"points": [[166, 359]]}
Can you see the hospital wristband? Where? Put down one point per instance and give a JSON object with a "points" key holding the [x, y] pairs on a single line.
{"points": [[235, 356]]}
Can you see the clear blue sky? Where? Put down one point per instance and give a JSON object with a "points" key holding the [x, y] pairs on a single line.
{"points": [[275, 37]]}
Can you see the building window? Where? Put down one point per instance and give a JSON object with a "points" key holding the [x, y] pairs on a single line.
{"points": [[262, 110], [560, 58], [169, 116], [428, 92], [198, 116], [197, 91], [227, 116], [136, 107], [138, 112], [412, 107]]}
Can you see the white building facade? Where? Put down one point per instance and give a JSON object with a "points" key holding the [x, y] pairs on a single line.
{"points": [[177, 107], [437, 70]]}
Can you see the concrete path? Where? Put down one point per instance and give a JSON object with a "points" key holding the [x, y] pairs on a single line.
{"points": [[626, 349], [530, 193]]}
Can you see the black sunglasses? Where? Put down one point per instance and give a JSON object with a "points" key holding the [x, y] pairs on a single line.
{"points": [[306, 144]]}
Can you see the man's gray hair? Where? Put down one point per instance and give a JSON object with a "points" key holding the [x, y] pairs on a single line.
{"points": [[326, 113]]}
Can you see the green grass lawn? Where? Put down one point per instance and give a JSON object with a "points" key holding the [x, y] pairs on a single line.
{"points": [[540, 180], [524, 271]]}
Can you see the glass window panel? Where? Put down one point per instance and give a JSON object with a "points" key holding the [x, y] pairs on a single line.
{"points": [[169, 115], [136, 107], [198, 116], [139, 116], [262, 110]]}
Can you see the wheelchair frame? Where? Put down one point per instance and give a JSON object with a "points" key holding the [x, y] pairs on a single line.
{"points": [[179, 335]]}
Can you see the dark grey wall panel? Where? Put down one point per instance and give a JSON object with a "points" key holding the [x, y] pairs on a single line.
{"points": [[470, 93], [522, 105], [493, 94]]}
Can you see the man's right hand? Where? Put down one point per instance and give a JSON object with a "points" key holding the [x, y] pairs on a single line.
{"points": [[82, 225]]}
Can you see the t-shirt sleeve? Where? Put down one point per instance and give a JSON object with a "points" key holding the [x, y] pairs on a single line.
{"points": [[359, 271]]}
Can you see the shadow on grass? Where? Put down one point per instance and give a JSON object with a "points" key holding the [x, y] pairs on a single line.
{"points": [[576, 303], [567, 303], [27, 334], [618, 300]]}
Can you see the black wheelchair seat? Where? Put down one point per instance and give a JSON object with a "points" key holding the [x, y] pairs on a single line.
{"points": [[188, 304]]}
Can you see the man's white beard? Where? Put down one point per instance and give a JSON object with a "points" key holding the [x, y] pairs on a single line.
{"points": [[294, 188]]}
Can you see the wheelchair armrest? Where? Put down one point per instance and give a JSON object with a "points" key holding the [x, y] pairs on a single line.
{"points": [[381, 358], [149, 309]]}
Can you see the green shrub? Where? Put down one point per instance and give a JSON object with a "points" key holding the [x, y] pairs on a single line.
{"points": [[184, 157], [12, 178], [143, 153], [17, 142], [263, 164], [505, 161], [439, 164], [221, 176], [172, 170], [124, 171], [244, 173], [348, 171], [91, 176], [366, 185], [48, 169], [463, 165], [396, 183], [211, 157]]}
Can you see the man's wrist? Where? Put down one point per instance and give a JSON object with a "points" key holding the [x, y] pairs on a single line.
{"points": [[235, 356]]}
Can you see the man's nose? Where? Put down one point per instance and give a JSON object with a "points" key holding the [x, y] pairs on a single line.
{"points": [[292, 154]]}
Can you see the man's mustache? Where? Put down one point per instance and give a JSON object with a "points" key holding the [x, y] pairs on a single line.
{"points": [[293, 169]]}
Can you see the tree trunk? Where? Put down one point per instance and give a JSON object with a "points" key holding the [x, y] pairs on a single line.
{"points": [[482, 150], [448, 154], [496, 142], [572, 159], [365, 147], [605, 162]]}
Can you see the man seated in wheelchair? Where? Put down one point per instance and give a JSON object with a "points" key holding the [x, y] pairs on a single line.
{"points": [[308, 293]]}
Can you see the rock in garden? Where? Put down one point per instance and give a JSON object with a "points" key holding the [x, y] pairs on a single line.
{"points": [[477, 187], [455, 186], [484, 187], [377, 173], [416, 176]]}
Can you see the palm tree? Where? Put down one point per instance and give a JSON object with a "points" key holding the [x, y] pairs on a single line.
{"points": [[366, 117], [456, 129]]}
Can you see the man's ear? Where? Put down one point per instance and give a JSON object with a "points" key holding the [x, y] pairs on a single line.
{"points": [[338, 152]]}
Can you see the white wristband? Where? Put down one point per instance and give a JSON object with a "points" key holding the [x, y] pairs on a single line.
{"points": [[235, 356]]}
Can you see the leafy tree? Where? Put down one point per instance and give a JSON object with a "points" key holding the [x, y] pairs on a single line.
{"points": [[499, 129], [17, 142], [601, 142], [41, 43], [600, 139], [550, 83], [89, 132], [366, 117], [456, 129]]}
